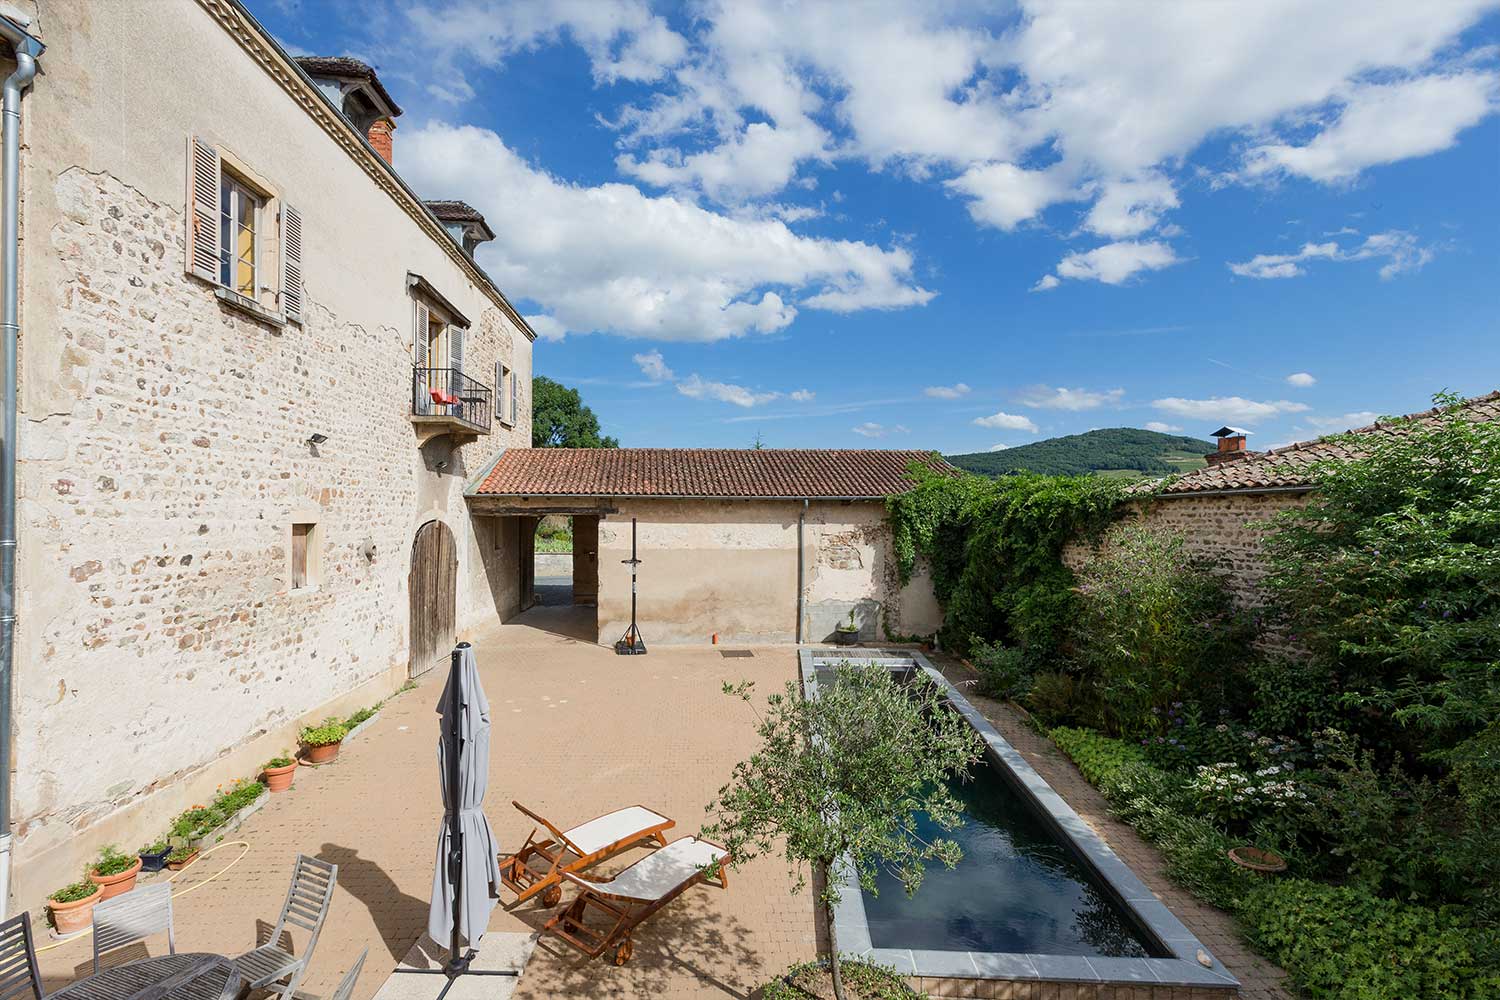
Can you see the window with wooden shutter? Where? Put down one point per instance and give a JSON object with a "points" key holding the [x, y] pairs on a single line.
{"points": [[291, 263], [513, 404], [203, 172], [456, 348]]}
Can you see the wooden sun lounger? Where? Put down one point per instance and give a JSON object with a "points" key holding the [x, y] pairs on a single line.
{"points": [[574, 850], [635, 894]]}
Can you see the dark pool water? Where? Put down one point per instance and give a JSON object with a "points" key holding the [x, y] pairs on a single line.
{"points": [[1016, 890]]}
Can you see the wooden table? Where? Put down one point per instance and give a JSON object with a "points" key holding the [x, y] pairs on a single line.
{"points": [[188, 976]]}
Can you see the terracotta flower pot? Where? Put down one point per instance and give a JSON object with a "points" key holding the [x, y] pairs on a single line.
{"points": [[70, 918], [279, 779], [1258, 859], [178, 866], [114, 885], [322, 754]]}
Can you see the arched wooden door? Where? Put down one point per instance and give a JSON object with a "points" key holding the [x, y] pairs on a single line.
{"points": [[432, 585]]}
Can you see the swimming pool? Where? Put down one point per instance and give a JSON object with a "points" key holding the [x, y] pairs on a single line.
{"points": [[1038, 896]]}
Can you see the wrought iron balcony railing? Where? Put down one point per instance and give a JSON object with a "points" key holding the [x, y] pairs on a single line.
{"points": [[447, 395]]}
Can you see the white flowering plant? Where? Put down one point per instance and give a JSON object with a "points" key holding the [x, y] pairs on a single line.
{"points": [[1239, 797]]}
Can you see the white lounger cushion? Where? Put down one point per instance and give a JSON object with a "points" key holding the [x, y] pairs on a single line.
{"points": [[657, 874], [623, 824]]}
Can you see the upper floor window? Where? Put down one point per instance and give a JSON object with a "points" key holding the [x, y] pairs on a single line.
{"points": [[242, 236]]}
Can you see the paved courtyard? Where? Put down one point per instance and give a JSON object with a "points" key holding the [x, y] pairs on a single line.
{"points": [[577, 731]]}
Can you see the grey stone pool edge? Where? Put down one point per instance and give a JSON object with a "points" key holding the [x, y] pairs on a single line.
{"points": [[853, 930]]}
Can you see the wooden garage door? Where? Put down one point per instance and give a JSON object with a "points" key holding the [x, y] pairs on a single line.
{"points": [[433, 587]]}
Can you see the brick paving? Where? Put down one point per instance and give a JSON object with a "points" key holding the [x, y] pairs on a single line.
{"points": [[577, 731], [1259, 978]]}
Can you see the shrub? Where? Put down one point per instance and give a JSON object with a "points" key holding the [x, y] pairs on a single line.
{"points": [[1058, 698], [331, 731], [1002, 673], [112, 861], [73, 892], [1157, 629], [862, 980], [1097, 756], [1342, 943]]}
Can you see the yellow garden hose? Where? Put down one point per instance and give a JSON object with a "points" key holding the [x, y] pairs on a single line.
{"points": [[245, 844]]}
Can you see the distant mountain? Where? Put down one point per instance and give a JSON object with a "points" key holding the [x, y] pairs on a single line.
{"points": [[1126, 452]]}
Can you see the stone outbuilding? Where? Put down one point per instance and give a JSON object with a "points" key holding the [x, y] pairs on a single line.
{"points": [[742, 546]]}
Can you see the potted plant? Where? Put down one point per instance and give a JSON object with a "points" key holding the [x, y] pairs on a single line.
{"points": [[846, 633], [154, 856], [279, 773], [72, 907], [321, 743], [181, 857], [114, 872]]}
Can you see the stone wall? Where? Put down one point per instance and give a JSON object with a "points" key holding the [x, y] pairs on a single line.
{"points": [[164, 453], [730, 568], [1222, 528]]}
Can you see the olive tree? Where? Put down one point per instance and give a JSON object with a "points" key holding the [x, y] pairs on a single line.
{"points": [[844, 776]]}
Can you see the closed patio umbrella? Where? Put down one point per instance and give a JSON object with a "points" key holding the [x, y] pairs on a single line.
{"points": [[467, 879]]}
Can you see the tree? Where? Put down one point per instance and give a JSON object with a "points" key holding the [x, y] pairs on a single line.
{"points": [[560, 420], [844, 775]]}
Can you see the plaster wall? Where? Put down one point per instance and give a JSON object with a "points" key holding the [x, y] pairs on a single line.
{"points": [[730, 568], [163, 440]]}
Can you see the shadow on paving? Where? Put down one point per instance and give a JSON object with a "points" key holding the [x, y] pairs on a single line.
{"points": [[399, 917], [686, 938]]}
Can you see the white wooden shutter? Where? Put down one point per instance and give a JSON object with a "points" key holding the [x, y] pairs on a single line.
{"points": [[500, 403], [456, 349], [291, 263], [419, 338], [203, 175], [513, 384]]}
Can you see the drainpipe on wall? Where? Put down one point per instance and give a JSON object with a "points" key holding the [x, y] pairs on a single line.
{"points": [[801, 592], [27, 49]]}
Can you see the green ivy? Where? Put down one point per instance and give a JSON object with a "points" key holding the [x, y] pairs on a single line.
{"points": [[995, 550]]}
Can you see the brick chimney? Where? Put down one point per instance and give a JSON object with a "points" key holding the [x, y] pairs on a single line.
{"points": [[380, 137], [1231, 446]]}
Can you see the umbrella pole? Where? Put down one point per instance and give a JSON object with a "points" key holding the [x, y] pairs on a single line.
{"points": [[458, 960]]}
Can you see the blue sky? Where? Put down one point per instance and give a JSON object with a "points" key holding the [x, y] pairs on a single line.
{"points": [[919, 225]]}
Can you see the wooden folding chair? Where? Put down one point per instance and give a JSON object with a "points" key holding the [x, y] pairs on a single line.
{"points": [[576, 849], [635, 894]]}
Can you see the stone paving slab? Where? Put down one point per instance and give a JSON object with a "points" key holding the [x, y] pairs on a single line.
{"points": [[414, 977]]}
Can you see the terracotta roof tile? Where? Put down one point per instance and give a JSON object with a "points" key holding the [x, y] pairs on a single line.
{"points": [[1288, 467], [704, 472]]}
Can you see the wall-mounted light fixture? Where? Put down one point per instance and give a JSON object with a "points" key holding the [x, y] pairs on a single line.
{"points": [[317, 439]]}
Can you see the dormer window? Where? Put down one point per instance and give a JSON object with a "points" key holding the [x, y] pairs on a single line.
{"points": [[463, 222]]}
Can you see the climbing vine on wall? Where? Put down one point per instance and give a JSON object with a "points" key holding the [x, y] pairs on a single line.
{"points": [[995, 550]]}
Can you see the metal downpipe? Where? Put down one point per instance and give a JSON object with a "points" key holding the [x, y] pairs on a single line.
{"points": [[26, 51], [801, 592]]}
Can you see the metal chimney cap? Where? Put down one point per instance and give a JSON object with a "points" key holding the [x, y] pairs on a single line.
{"points": [[1226, 431]]}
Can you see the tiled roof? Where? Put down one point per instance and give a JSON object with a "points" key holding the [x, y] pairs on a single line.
{"points": [[1288, 468], [704, 472], [459, 211], [347, 66]]}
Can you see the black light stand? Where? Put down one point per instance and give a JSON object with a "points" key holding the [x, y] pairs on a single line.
{"points": [[632, 644], [458, 962]]}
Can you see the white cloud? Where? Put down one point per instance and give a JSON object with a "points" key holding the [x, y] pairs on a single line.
{"points": [[1301, 380], [1383, 123], [802, 396], [1130, 207], [1401, 251], [998, 447], [547, 327], [1003, 195], [1346, 421], [946, 391], [654, 366], [1007, 421], [1228, 409], [697, 387], [870, 429], [1113, 263], [1046, 397], [611, 259], [1162, 428]]}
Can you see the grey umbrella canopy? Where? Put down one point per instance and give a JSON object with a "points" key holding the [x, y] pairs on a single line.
{"points": [[475, 866]]}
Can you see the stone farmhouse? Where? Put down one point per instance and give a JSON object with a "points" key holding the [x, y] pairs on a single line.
{"points": [[256, 371]]}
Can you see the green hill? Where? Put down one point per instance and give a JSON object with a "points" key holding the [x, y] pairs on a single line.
{"points": [[1126, 452]]}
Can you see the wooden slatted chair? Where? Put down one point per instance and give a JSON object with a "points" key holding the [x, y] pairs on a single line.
{"points": [[576, 849], [19, 976], [635, 894], [133, 916], [307, 900], [345, 988]]}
